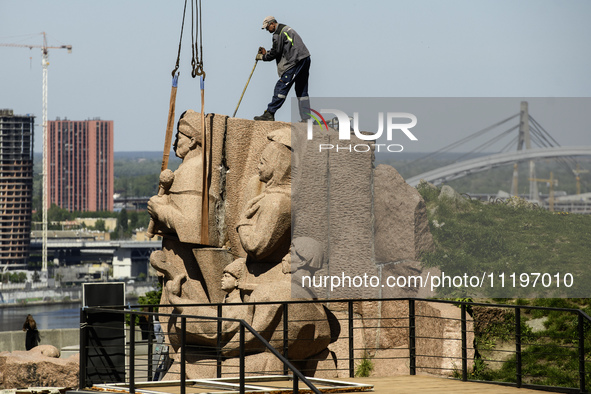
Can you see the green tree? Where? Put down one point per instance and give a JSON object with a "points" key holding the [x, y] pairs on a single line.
{"points": [[123, 220], [57, 214], [19, 277], [133, 220], [99, 225]]}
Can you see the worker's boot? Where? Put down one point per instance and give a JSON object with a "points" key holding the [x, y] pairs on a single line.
{"points": [[266, 116]]}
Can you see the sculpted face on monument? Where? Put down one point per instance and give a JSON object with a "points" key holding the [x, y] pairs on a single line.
{"points": [[229, 282], [275, 165], [183, 144]]}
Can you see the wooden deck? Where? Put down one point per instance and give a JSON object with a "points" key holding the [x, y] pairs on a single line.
{"points": [[421, 384], [418, 384]]}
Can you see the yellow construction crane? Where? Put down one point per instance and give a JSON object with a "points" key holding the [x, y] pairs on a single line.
{"points": [[45, 63], [552, 182], [577, 173]]}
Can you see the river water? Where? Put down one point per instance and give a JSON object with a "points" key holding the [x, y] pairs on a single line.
{"points": [[47, 316]]}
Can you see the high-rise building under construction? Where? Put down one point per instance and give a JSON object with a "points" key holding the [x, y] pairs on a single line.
{"points": [[80, 164], [16, 187]]}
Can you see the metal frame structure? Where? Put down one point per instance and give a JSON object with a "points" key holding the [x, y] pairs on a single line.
{"points": [[417, 359]]}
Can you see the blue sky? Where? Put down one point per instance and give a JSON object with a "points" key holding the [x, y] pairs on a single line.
{"points": [[124, 51]]}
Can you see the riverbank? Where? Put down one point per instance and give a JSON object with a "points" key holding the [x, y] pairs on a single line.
{"points": [[56, 295], [23, 303]]}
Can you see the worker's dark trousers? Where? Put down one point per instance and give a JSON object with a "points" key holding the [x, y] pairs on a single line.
{"points": [[298, 74]]}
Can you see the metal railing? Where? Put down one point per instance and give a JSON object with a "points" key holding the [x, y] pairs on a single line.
{"points": [[131, 367], [420, 347]]}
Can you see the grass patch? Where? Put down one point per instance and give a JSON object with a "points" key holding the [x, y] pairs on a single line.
{"points": [[482, 238], [365, 367], [515, 237]]}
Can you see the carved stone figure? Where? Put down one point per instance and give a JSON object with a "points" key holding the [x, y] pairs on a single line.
{"points": [[265, 223], [176, 214], [264, 229], [265, 233], [204, 332]]}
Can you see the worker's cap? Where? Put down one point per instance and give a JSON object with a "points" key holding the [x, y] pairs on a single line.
{"points": [[268, 20]]}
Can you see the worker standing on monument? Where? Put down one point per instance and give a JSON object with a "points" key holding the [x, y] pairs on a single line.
{"points": [[293, 66]]}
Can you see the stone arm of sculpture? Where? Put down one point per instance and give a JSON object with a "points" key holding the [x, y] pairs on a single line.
{"points": [[167, 214], [163, 212], [264, 224]]}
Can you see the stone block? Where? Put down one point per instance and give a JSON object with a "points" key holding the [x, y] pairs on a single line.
{"points": [[391, 362], [21, 369], [407, 279], [438, 343], [401, 227], [245, 141], [340, 348], [332, 191]]}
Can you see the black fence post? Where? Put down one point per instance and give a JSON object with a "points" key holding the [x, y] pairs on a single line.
{"points": [[132, 353], [242, 355], [412, 337], [351, 342], [219, 343], [150, 343], [183, 353], [295, 384], [285, 334], [83, 348], [518, 346], [581, 327], [464, 345]]}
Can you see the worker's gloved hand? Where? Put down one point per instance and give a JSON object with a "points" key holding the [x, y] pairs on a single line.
{"points": [[259, 56], [262, 51]]}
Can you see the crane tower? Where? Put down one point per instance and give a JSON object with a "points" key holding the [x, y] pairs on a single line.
{"points": [[44, 63]]}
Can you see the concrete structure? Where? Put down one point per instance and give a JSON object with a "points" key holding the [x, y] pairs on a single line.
{"points": [[80, 164], [16, 187], [129, 258], [110, 223], [60, 338], [133, 259], [463, 168]]}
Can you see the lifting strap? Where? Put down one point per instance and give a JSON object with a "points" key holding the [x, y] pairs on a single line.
{"points": [[197, 65], [172, 104], [206, 171]]}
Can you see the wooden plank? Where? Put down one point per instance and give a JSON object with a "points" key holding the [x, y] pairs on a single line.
{"points": [[428, 384]]}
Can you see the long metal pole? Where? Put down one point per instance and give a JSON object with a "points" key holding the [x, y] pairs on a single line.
{"points": [[581, 329], [45, 63], [247, 82], [205, 175], [518, 372]]}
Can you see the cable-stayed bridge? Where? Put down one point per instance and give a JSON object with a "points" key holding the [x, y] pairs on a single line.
{"points": [[532, 142], [467, 167]]}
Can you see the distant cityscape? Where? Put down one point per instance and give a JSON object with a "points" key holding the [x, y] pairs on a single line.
{"points": [[97, 201], [80, 180]]}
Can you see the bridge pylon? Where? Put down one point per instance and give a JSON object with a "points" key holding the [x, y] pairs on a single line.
{"points": [[525, 139]]}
